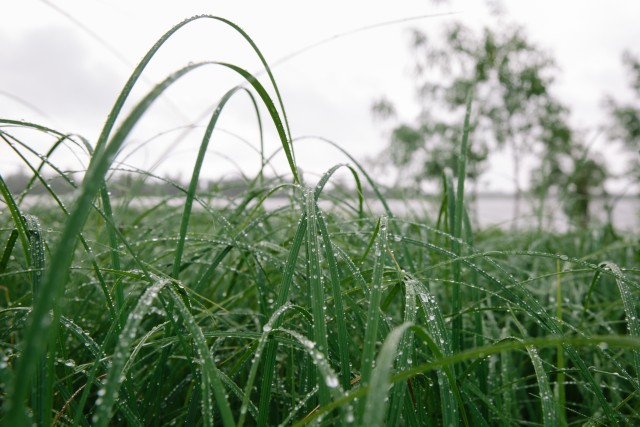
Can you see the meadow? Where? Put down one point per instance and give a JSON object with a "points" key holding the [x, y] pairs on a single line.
{"points": [[185, 313]]}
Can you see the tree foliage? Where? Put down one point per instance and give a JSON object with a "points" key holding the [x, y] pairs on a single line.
{"points": [[515, 111], [625, 118], [511, 77]]}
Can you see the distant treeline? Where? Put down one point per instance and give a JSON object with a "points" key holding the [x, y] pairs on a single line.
{"points": [[121, 184], [146, 185]]}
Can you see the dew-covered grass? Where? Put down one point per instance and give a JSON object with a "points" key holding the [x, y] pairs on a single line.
{"points": [[179, 312]]}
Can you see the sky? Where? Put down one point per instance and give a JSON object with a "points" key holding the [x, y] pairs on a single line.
{"points": [[63, 63]]}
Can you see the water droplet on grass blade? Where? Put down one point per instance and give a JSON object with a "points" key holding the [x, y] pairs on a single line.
{"points": [[332, 381]]}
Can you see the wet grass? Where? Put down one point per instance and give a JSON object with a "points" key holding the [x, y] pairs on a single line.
{"points": [[186, 314]]}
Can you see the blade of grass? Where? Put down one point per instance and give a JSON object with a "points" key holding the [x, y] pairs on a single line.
{"points": [[380, 384], [456, 303], [8, 248], [338, 307], [188, 204], [128, 87], [121, 354], [16, 216], [373, 313], [482, 371], [43, 381], [266, 330], [549, 407], [283, 297], [370, 181], [329, 377], [195, 176], [560, 365], [99, 362], [315, 283], [437, 329], [630, 304], [405, 354], [210, 373]]}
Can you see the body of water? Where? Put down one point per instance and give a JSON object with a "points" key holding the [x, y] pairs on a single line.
{"points": [[499, 211], [486, 210]]}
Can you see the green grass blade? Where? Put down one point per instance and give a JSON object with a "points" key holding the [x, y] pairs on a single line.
{"points": [[448, 209], [630, 303], [549, 406], [16, 216], [560, 389], [372, 183], [195, 176], [549, 409], [380, 384], [100, 362], [275, 117], [283, 297], [373, 312], [338, 306], [43, 381], [315, 283], [121, 355], [105, 197], [456, 303], [267, 329], [329, 377], [438, 331], [406, 353], [6, 254], [189, 204], [209, 370], [327, 175]]}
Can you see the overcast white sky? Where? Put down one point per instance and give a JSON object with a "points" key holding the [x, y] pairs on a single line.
{"points": [[64, 65]]}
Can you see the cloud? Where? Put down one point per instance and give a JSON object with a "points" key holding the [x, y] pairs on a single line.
{"points": [[53, 70]]}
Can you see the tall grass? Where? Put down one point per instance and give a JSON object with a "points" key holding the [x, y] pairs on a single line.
{"points": [[240, 315]]}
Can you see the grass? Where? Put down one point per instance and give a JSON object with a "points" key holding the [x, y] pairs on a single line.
{"points": [[186, 314]]}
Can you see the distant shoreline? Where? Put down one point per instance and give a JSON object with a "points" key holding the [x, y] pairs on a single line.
{"points": [[487, 210]]}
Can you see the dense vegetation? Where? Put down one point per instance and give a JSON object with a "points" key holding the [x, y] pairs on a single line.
{"points": [[190, 314]]}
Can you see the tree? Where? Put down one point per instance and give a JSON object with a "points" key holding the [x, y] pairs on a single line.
{"points": [[514, 110], [511, 77], [569, 169], [424, 151], [625, 119]]}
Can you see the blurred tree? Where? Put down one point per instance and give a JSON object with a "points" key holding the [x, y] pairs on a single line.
{"points": [[567, 169], [511, 77], [587, 176], [625, 119], [514, 110]]}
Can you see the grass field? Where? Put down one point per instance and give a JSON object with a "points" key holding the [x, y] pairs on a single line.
{"points": [[185, 314]]}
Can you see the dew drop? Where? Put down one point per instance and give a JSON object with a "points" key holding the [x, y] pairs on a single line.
{"points": [[332, 381]]}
